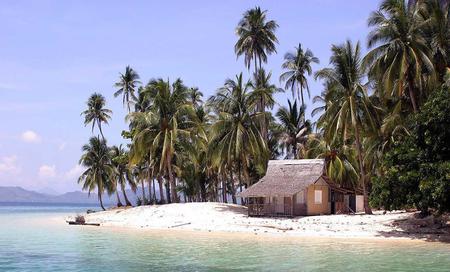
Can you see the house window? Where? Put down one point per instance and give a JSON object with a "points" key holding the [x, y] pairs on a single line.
{"points": [[317, 196], [300, 199]]}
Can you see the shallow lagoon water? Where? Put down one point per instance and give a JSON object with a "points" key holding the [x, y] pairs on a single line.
{"points": [[35, 238]]}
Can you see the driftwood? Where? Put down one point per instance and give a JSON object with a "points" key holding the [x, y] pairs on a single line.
{"points": [[83, 223], [179, 225]]}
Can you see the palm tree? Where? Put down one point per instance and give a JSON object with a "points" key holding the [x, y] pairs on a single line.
{"points": [[298, 65], [256, 37], [351, 111], [96, 113], [161, 129], [99, 173], [235, 138], [436, 16], [195, 96], [295, 128], [262, 97], [126, 86], [123, 173], [401, 57]]}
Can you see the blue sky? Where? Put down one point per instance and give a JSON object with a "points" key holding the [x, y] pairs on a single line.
{"points": [[54, 54]]}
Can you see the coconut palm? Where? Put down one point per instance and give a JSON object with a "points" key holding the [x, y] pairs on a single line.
{"points": [[96, 113], [160, 129], [235, 137], [99, 173], [123, 173], [298, 66], [295, 128], [195, 96], [256, 37], [126, 86], [262, 97], [400, 57], [351, 111]]}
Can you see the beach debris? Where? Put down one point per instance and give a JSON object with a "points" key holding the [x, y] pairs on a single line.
{"points": [[179, 225], [80, 220]]}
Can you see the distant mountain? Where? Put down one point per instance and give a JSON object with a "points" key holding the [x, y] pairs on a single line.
{"points": [[18, 194]]}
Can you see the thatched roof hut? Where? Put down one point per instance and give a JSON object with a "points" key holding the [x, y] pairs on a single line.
{"points": [[297, 187], [286, 177]]}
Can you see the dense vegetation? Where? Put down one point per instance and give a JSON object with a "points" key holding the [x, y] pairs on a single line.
{"points": [[383, 119]]}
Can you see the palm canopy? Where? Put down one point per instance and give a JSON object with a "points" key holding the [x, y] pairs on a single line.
{"points": [[295, 128], [256, 37], [351, 111], [235, 137], [400, 57], [99, 173], [298, 66], [126, 86], [96, 113], [159, 130]]}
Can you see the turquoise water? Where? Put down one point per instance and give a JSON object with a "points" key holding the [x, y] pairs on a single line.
{"points": [[36, 239]]}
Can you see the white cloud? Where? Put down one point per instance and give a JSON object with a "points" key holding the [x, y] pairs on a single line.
{"points": [[47, 171], [8, 165], [30, 136], [75, 172]]}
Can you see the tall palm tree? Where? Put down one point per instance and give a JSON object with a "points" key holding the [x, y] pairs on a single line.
{"points": [[298, 66], [161, 129], [126, 86], [295, 128], [400, 57], [96, 113], [123, 173], [256, 37], [351, 111], [195, 96], [262, 97], [235, 137], [99, 173]]}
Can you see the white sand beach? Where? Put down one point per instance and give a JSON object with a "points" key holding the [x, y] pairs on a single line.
{"points": [[220, 217]]}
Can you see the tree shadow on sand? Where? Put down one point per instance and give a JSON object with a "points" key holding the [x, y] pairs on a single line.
{"points": [[430, 229]]}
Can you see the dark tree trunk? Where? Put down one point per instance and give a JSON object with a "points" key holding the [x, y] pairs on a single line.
{"points": [[161, 190], [173, 189], [169, 200], [100, 199], [143, 193], [154, 191], [127, 201], [233, 188], [224, 190], [119, 203]]}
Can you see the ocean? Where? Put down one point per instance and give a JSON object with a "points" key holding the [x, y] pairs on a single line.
{"points": [[34, 237]]}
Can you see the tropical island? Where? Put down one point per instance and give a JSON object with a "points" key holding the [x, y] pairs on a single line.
{"points": [[379, 137]]}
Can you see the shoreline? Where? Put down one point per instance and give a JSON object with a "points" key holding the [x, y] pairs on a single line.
{"points": [[229, 219]]}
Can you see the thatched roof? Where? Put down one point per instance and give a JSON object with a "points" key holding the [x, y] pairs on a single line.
{"points": [[286, 177]]}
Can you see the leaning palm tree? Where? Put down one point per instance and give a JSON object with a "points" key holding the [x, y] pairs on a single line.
{"points": [[262, 97], [298, 66], [126, 86], [345, 118], [235, 138], [256, 37], [401, 58], [295, 128], [96, 112], [99, 173]]}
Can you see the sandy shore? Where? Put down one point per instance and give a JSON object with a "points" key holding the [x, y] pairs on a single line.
{"points": [[219, 217]]}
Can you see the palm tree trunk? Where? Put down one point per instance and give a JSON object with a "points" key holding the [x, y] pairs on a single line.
{"points": [[127, 201], [143, 192], [412, 97], [154, 191], [224, 191], [161, 190], [240, 181], [119, 203], [173, 189], [301, 93], [100, 199], [233, 189], [367, 209], [100, 128]]}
